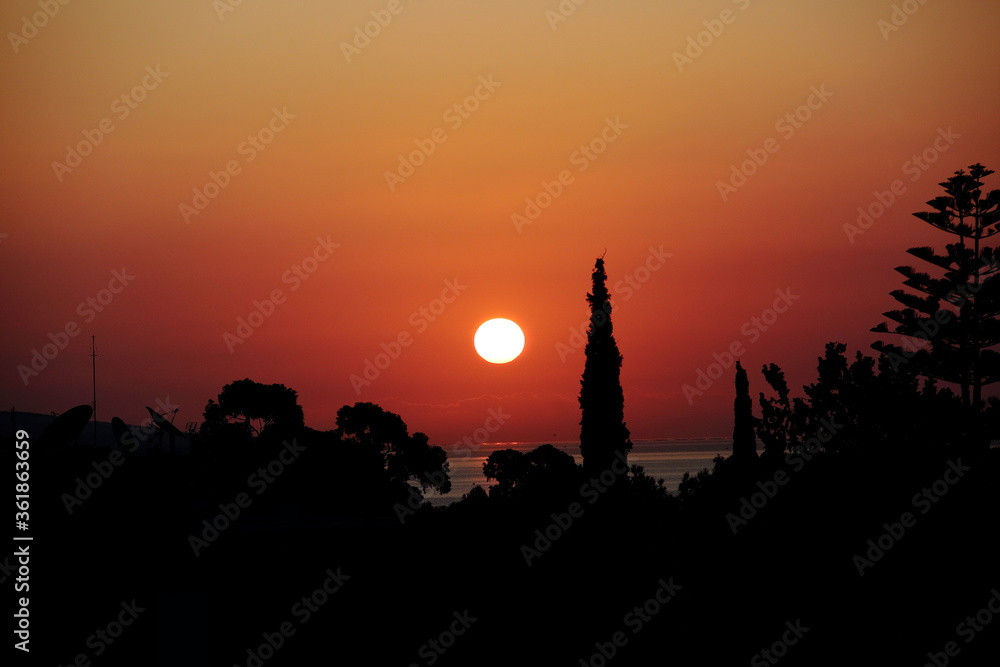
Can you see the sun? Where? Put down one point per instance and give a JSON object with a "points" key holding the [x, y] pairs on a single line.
{"points": [[499, 340]]}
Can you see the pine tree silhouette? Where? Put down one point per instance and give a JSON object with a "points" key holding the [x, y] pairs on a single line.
{"points": [[603, 433], [960, 314]]}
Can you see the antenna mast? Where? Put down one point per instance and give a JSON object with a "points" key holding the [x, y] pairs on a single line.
{"points": [[93, 368]]}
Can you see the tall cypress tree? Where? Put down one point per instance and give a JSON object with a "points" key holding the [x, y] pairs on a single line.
{"points": [[603, 433], [744, 439]]}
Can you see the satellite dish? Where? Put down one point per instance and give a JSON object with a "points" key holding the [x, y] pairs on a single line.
{"points": [[163, 424], [165, 427], [66, 428], [123, 436]]}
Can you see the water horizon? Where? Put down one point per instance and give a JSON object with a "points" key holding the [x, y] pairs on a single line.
{"points": [[666, 458]]}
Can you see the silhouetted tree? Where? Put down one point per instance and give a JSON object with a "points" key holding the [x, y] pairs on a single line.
{"points": [[405, 457], [744, 438], [959, 313], [415, 458], [507, 467], [368, 424], [851, 397], [549, 467], [776, 428], [645, 489], [253, 408], [602, 426], [545, 470], [853, 408]]}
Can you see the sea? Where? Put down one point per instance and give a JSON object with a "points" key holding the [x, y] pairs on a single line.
{"points": [[667, 458]]}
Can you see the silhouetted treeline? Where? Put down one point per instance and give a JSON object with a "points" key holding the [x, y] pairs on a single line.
{"points": [[862, 533]]}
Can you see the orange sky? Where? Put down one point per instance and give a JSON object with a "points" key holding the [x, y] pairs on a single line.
{"points": [[309, 127]]}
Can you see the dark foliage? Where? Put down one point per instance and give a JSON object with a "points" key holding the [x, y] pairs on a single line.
{"points": [[405, 457], [248, 409]]}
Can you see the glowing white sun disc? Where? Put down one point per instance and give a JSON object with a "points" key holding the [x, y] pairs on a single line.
{"points": [[499, 340]]}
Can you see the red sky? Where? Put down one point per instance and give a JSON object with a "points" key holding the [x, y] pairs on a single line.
{"points": [[309, 126]]}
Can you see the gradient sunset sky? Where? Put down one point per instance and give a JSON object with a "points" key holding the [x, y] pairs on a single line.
{"points": [[309, 117]]}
